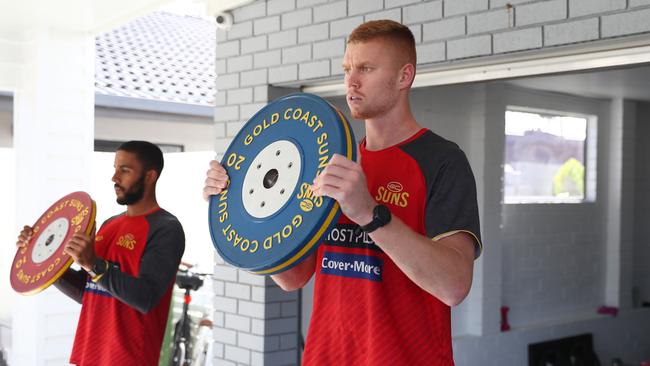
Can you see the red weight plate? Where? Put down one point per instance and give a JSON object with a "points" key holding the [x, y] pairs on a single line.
{"points": [[42, 261]]}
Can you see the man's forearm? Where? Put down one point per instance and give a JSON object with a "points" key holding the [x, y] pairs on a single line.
{"points": [[298, 276], [443, 268], [141, 293]]}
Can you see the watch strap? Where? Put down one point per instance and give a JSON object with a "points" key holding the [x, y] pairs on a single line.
{"points": [[377, 220], [99, 270]]}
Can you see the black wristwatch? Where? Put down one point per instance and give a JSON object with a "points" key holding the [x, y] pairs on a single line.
{"points": [[380, 217], [99, 268]]}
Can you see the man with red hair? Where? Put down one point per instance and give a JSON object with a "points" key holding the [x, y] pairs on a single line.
{"points": [[414, 195]]}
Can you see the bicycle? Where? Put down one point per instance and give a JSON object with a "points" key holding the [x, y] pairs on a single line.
{"points": [[186, 350]]}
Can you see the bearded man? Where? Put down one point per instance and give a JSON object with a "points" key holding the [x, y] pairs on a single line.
{"points": [[127, 268]]}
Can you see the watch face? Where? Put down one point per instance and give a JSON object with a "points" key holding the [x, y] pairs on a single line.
{"points": [[99, 267], [382, 213]]}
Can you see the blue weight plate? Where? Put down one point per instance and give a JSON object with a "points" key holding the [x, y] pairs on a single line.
{"points": [[268, 220]]}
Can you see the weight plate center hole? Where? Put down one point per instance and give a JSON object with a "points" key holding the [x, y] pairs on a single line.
{"points": [[270, 178], [49, 240]]}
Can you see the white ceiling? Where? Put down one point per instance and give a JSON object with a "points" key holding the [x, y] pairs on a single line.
{"points": [[629, 83], [18, 19], [23, 22]]}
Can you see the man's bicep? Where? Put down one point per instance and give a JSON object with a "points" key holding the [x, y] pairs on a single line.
{"points": [[158, 266], [160, 260]]}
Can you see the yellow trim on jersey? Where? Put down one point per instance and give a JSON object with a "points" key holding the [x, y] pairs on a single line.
{"points": [[450, 233]]}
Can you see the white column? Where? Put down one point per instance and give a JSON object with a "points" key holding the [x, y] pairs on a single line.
{"points": [[620, 205], [627, 205], [620, 210], [613, 215], [53, 142]]}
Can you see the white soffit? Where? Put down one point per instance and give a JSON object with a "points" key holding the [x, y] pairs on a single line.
{"points": [[19, 18], [567, 59], [23, 22], [215, 7]]}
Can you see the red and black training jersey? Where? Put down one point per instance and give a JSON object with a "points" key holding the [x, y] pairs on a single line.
{"points": [[123, 315], [366, 311]]}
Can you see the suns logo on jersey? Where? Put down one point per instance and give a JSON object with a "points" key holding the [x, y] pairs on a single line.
{"points": [[126, 241], [393, 194]]}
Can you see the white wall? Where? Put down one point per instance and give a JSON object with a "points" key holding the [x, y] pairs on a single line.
{"points": [[194, 133], [7, 224], [552, 254], [7, 251], [552, 259]]}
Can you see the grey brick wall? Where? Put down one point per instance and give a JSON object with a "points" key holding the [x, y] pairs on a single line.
{"points": [[518, 40], [324, 13], [626, 23], [255, 321], [455, 7], [572, 32], [279, 6], [588, 7], [292, 42], [540, 12], [469, 47], [444, 29], [310, 34], [420, 13], [488, 21]]}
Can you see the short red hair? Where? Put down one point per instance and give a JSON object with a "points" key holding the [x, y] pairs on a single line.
{"points": [[394, 32]]}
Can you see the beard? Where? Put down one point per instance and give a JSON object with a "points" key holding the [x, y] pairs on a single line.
{"points": [[133, 194], [370, 111]]}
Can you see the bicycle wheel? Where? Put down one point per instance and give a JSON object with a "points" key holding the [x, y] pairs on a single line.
{"points": [[178, 355]]}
